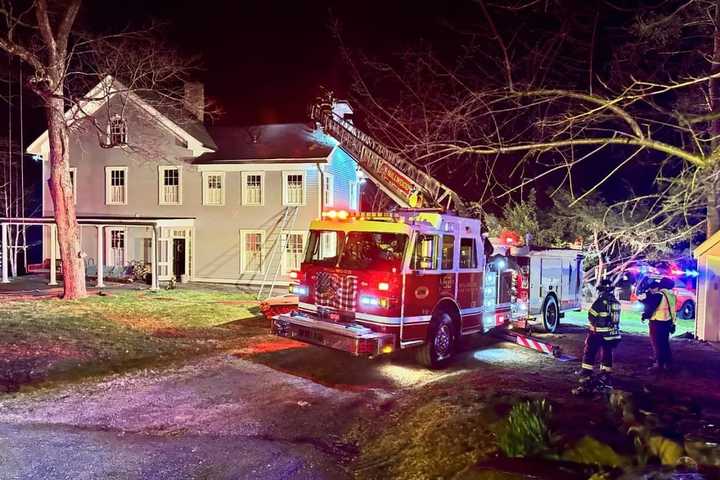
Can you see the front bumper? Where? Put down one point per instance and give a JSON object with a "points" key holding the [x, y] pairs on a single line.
{"points": [[355, 339]]}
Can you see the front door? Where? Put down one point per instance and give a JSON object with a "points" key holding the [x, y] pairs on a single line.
{"points": [[178, 257]]}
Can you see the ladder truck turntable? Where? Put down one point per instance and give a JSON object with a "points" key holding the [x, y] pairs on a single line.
{"points": [[422, 276]]}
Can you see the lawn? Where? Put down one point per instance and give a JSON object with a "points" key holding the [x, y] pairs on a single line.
{"points": [[629, 322], [44, 340]]}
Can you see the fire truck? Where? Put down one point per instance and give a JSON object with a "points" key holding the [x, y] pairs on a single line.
{"points": [[422, 276]]}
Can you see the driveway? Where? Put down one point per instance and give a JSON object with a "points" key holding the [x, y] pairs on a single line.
{"points": [[275, 409], [258, 413]]}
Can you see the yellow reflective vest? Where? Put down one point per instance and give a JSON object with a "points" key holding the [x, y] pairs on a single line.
{"points": [[665, 311]]}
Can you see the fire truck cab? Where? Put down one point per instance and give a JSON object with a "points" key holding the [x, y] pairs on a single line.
{"points": [[371, 284]]}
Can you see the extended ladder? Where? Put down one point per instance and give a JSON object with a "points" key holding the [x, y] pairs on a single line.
{"points": [[280, 245], [403, 180]]}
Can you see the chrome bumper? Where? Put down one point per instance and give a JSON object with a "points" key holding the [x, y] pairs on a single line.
{"points": [[351, 338]]}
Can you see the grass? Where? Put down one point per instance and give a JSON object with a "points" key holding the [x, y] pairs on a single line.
{"points": [[630, 322], [53, 339]]}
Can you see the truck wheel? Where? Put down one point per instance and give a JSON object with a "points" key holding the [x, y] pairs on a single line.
{"points": [[551, 315], [440, 344], [687, 311]]}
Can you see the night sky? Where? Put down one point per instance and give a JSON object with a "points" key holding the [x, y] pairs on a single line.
{"points": [[265, 60]]}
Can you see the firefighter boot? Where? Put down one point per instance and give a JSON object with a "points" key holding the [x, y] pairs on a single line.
{"points": [[604, 381], [586, 385]]}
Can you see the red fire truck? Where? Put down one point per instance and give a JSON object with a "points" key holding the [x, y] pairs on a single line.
{"points": [[420, 277]]}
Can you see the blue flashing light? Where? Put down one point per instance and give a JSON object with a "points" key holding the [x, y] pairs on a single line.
{"points": [[501, 264], [691, 273]]}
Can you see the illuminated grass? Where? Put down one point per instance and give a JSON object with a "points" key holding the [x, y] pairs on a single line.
{"points": [[53, 339], [629, 322]]}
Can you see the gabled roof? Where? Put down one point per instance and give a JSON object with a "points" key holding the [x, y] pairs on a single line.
{"points": [[707, 245], [272, 143], [189, 129]]}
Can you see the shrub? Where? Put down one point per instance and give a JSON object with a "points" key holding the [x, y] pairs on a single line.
{"points": [[525, 432]]}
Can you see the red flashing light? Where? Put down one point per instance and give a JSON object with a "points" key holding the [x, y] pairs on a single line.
{"points": [[383, 286], [293, 275]]}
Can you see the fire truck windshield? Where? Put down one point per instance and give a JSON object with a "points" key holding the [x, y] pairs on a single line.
{"points": [[356, 250]]}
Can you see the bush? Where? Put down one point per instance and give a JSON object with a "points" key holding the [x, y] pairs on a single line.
{"points": [[526, 432]]}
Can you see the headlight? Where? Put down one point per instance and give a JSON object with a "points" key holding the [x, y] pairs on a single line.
{"points": [[300, 290]]}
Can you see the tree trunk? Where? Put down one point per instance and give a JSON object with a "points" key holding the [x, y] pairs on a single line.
{"points": [[61, 191], [713, 189]]}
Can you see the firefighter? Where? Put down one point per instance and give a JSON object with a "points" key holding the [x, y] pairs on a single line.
{"points": [[659, 309], [603, 336]]}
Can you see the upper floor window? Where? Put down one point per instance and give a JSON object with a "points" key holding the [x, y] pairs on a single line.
{"points": [[214, 188], [117, 131], [328, 190], [353, 199], [253, 188], [116, 185], [170, 184], [293, 188]]}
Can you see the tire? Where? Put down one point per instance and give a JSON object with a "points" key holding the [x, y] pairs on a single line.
{"points": [[550, 315], [440, 345], [687, 311]]}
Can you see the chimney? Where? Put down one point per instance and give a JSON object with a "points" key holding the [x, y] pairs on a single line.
{"points": [[194, 100]]}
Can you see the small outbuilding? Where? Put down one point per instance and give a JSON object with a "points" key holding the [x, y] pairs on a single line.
{"points": [[707, 325]]}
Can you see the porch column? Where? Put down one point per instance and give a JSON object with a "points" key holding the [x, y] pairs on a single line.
{"points": [[4, 253], [100, 256], [53, 254], [155, 283]]}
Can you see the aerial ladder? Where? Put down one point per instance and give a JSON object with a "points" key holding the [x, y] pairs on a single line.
{"points": [[406, 182]]}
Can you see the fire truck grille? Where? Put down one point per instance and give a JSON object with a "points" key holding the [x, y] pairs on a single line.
{"points": [[336, 291]]}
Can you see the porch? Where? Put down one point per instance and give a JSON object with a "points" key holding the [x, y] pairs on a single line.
{"points": [[165, 246]]}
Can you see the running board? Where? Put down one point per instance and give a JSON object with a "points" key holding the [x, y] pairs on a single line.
{"points": [[533, 343]]}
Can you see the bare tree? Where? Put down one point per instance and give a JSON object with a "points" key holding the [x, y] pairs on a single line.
{"points": [[66, 64], [520, 103]]}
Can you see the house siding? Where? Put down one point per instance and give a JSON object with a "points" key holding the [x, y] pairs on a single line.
{"points": [[216, 241]]}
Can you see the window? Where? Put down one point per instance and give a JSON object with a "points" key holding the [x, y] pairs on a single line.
{"points": [[468, 253], [324, 247], [373, 251], [214, 188], [448, 252], [73, 182], [117, 131], [253, 188], [328, 190], [170, 185], [294, 247], [425, 253], [353, 203], [116, 185], [293, 188], [252, 251]]}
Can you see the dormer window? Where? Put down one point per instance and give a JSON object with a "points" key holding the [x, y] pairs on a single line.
{"points": [[117, 131]]}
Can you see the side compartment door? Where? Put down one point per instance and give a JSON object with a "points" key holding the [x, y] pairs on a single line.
{"points": [[550, 280]]}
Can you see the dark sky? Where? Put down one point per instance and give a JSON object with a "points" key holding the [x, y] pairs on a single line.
{"points": [[265, 60]]}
